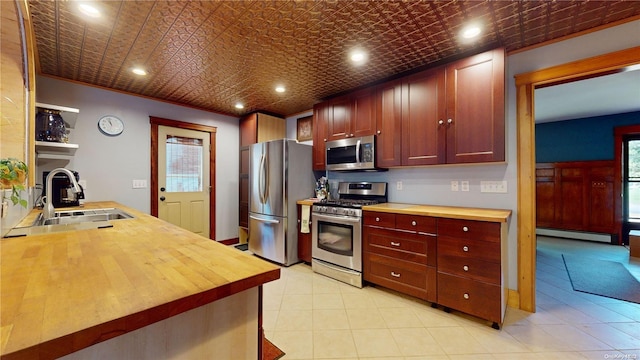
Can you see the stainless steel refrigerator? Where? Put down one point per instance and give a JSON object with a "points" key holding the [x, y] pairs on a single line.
{"points": [[280, 174]]}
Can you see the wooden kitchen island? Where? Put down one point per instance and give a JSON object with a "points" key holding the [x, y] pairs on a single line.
{"points": [[142, 289]]}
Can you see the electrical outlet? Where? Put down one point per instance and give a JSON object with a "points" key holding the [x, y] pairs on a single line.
{"points": [[399, 185], [454, 185], [464, 185]]}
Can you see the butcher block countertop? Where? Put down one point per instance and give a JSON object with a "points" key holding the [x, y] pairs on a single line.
{"points": [[65, 291], [451, 212]]}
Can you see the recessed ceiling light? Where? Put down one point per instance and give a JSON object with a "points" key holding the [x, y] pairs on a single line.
{"points": [[139, 71], [358, 57], [239, 106], [280, 89], [89, 10], [471, 31]]}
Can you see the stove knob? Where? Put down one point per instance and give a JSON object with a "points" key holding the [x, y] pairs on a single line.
{"points": [[334, 210]]}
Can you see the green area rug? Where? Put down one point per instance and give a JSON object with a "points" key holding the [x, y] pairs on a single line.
{"points": [[601, 277]]}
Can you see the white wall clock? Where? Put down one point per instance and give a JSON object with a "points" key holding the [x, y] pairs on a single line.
{"points": [[111, 125]]}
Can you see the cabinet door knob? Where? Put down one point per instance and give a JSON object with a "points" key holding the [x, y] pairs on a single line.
{"points": [[466, 296], [449, 121], [465, 229], [378, 132], [377, 219], [440, 122], [350, 135], [395, 274], [325, 140], [395, 243], [465, 248], [465, 268], [414, 223]]}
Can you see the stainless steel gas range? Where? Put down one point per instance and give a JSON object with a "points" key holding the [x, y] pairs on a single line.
{"points": [[337, 230]]}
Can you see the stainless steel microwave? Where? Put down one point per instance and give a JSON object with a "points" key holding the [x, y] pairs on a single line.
{"points": [[357, 153]]}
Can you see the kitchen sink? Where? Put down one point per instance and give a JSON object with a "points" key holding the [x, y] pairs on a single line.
{"points": [[82, 216], [71, 220]]}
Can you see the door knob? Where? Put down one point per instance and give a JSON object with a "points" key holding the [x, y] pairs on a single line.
{"points": [[162, 189], [162, 198]]}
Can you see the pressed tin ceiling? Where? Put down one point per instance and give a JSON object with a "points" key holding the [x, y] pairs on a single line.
{"points": [[214, 54]]}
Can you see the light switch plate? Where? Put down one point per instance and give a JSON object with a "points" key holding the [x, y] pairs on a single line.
{"points": [[464, 185], [139, 184], [493, 186], [454, 185]]}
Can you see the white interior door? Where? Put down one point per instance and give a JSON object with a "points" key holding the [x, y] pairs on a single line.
{"points": [[183, 178]]}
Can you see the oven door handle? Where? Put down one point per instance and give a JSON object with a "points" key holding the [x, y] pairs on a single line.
{"points": [[335, 218], [268, 221]]}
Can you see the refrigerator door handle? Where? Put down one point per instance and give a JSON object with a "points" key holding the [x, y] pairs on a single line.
{"points": [[261, 180], [358, 151], [268, 221], [265, 172]]}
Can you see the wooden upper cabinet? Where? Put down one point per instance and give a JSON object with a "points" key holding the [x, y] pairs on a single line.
{"points": [[423, 119], [320, 114], [363, 119], [445, 115], [351, 115], [249, 130], [339, 118], [389, 124], [475, 106]]}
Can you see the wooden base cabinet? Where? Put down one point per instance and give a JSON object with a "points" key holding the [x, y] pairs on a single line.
{"points": [[304, 240], [459, 264], [399, 253], [471, 269], [577, 196]]}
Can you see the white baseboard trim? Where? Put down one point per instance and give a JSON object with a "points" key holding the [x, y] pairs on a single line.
{"points": [[605, 238]]}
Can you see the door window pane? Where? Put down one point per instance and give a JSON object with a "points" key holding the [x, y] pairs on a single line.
{"points": [[184, 164]]}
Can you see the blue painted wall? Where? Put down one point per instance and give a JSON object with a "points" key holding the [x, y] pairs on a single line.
{"points": [[580, 139]]}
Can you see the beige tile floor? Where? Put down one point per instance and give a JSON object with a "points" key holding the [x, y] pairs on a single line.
{"points": [[310, 316]]}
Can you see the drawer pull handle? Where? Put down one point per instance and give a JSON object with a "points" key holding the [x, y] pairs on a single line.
{"points": [[395, 243], [414, 223], [377, 219], [466, 296], [465, 268], [465, 229], [465, 248], [395, 274]]}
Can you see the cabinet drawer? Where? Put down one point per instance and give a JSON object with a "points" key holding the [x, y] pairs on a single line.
{"points": [[397, 270], [464, 248], [401, 245], [381, 219], [406, 277], [469, 229], [422, 224], [469, 267], [473, 297]]}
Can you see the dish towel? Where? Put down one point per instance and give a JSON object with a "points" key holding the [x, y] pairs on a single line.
{"points": [[304, 225]]}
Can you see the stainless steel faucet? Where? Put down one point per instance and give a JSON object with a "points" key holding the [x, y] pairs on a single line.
{"points": [[48, 210]]}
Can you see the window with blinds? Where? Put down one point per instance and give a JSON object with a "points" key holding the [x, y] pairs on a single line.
{"points": [[184, 164]]}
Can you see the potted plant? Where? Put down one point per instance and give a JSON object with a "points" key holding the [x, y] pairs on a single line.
{"points": [[13, 173]]}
